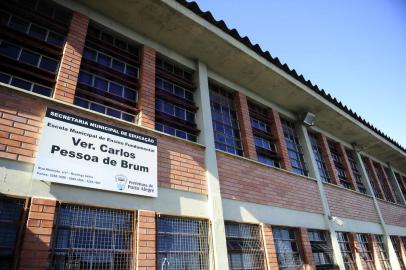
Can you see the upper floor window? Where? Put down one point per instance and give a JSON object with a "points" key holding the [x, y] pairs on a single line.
{"points": [[346, 250], [244, 246], [175, 108], [287, 248], [225, 122], [338, 164], [183, 243], [382, 253], [109, 72], [365, 250], [262, 131], [391, 183], [355, 171], [321, 249], [370, 176], [31, 43], [402, 184], [295, 151], [92, 238], [318, 155], [384, 184]]}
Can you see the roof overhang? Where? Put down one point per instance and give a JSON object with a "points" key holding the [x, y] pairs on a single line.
{"points": [[181, 30]]}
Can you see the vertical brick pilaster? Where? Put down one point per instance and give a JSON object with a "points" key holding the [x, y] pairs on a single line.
{"points": [[306, 249], [402, 250], [370, 167], [146, 240], [386, 182], [277, 133], [375, 252], [67, 78], [347, 166], [37, 238], [146, 93], [355, 247], [247, 138], [269, 247], [331, 169]]}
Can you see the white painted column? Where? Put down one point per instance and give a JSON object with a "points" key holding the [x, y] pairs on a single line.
{"points": [[395, 185], [388, 243], [204, 120], [314, 172]]}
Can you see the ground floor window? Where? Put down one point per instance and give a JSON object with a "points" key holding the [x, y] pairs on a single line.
{"points": [[346, 251], [383, 254], [11, 224], [321, 249], [287, 248], [244, 246], [183, 243], [92, 238]]}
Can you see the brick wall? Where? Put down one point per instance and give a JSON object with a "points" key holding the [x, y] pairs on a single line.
{"points": [[269, 246], [146, 93], [393, 214], [355, 248], [181, 165], [249, 181], [72, 56], [306, 249], [375, 252], [349, 204], [38, 231], [146, 240], [243, 115], [277, 133]]}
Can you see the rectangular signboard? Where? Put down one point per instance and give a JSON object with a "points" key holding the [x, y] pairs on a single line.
{"points": [[82, 152]]}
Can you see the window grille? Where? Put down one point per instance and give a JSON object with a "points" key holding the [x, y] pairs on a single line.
{"points": [[287, 248], [225, 122], [398, 196], [338, 164], [384, 184], [365, 251], [244, 246], [32, 37], [396, 247], [318, 155], [183, 243], [175, 108], [92, 238], [295, 151], [11, 224], [373, 184], [109, 73], [321, 249], [346, 251], [262, 130], [401, 184], [382, 252], [356, 172]]}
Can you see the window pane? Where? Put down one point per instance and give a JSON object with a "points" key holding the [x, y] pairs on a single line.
{"points": [[100, 84], [21, 84], [49, 64], [42, 90], [9, 50], [29, 58], [37, 32]]}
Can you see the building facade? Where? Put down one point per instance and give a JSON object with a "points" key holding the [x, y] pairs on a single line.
{"points": [[245, 181]]}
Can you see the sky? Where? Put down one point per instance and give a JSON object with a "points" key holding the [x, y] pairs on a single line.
{"points": [[355, 50]]}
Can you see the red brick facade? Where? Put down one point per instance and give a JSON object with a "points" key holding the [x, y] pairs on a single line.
{"points": [[269, 247], [393, 214], [277, 133], [67, 79], [306, 249], [331, 170], [146, 93], [146, 240]]}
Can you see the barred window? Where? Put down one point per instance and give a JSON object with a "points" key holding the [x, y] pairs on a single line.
{"points": [[339, 166], [175, 108], [294, 148], [388, 172], [287, 248], [109, 73], [321, 248], [244, 246], [369, 173], [11, 225], [356, 172], [183, 243], [225, 122], [318, 155], [401, 183], [346, 251], [31, 43], [396, 246], [365, 251], [381, 178], [92, 238], [382, 252], [262, 130]]}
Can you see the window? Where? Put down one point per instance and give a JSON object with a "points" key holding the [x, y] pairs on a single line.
{"points": [[318, 155], [396, 246], [92, 238], [346, 251], [109, 74], [294, 148], [401, 183], [382, 180], [371, 179], [11, 224], [183, 243], [244, 246], [321, 249], [365, 251], [174, 104], [287, 248], [338, 164], [262, 130], [35, 34], [356, 172], [391, 184], [225, 122], [382, 253]]}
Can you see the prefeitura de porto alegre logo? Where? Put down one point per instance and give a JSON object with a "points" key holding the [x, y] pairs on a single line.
{"points": [[121, 181]]}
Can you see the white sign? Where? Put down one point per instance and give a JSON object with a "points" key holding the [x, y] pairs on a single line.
{"points": [[82, 152]]}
